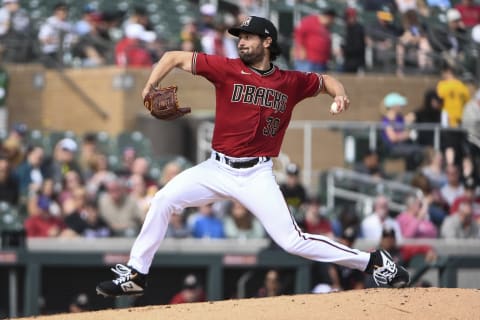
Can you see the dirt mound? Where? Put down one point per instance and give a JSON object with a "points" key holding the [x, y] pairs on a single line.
{"points": [[412, 303]]}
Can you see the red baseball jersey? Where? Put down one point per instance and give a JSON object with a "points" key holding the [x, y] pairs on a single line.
{"points": [[253, 110]]}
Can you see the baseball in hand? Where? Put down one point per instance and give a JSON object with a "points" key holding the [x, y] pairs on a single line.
{"points": [[334, 108]]}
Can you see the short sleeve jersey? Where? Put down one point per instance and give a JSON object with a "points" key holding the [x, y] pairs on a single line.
{"points": [[253, 110]]}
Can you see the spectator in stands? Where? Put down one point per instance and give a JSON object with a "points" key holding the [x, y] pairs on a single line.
{"points": [[429, 113], [344, 278], [84, 25], [315, 220], [470, 12], [18, 133], [15, 32], [450, 40], [272, 285], [353, 47], [70, 183], [437, 206], [208, 12], [413, 42], [206, 224], [381, 37], [471, 122], [190, 38], [95, 48], [170, 170], [141, 167], [101, 174], [455, 95], [177, 227], [396, 136], [241, 223], [347, 218], [370, 165], [28, 172], [469, 194], [140, 192], [434, 168], [192, 291], [12, 149], [56, 36], [45, 190], [219, 42], [312, 41], [85, 220], [61, 162], [119, 209], [87, 156], [292, 189], [414, 221], [454, 187], [461, 225], [80, 303], [373, 224], [132, 50], [9, 184], [128, 156], [43, 223], [139, 16]]}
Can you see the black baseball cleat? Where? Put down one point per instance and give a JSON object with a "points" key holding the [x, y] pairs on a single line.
{"points": [[129, 282], [389, 273]]}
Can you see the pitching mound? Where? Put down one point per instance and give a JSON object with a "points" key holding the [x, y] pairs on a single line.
{"points": [[413, 303]]}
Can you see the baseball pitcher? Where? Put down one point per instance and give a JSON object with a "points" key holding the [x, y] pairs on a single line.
{"points": [[254, 104]]}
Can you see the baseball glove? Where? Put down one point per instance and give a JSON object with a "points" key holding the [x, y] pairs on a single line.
{"points": [[163, 103]]}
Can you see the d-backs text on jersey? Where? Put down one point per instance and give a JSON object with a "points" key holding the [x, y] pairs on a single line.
{"points": [[260, 96]]}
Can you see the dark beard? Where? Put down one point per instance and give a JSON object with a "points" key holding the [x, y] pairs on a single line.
{"points": [[250, 58]]}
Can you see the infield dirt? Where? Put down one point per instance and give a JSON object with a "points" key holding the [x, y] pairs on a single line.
{"points": [[411, 303]]}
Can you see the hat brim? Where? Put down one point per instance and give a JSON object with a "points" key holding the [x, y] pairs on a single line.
{"points": [[235, 31]]}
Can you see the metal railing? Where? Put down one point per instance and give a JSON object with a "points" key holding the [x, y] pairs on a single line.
{"points": [[362, 189]]}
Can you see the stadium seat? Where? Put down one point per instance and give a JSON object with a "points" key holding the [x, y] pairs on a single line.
{"points": [[36, 138], [136, 140]]}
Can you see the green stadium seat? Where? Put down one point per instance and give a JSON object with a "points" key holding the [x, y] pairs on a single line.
{"points": [[36, 138], [136, 140]]}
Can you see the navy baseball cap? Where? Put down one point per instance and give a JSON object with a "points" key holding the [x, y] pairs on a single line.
{"points": [[256, 25]]}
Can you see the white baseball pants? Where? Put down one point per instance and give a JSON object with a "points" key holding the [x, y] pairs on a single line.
{"points": [[256, 189]]}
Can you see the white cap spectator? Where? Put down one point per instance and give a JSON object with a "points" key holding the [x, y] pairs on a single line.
{"points": [[137, 31], [208, 9], [453, 15], [68, 144]]}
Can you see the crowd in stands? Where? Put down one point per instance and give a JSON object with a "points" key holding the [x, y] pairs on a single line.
{"points": [[354, 36]]}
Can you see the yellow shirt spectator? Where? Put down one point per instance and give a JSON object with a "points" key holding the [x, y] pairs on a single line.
{"points": [[455, 95]]}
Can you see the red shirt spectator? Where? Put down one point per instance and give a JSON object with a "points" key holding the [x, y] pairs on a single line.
{"points": [[191, 291], [312, 40], [131, 51], [470, 13], [43, 226]]}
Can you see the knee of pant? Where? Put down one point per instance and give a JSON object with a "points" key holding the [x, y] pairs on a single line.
{"points": [[167, 199], [289, 244]]}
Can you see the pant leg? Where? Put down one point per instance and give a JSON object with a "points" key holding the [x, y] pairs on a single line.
{"points": [[262, 196], [193, 187]]}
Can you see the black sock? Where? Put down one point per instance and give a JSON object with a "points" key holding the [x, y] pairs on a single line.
{"points": [[375, 260]]}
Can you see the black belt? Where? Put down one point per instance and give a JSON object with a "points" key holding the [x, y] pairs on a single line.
{"points": [[239, 164]]}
